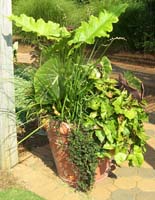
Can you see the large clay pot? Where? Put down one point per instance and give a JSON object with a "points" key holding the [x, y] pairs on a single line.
{"points": [[58, 140], [102, 169]]}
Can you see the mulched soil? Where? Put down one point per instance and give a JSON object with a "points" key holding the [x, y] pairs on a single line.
{"points": [[7, 180]]}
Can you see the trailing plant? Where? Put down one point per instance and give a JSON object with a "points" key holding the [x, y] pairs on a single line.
{"points": [[77, 89], [83, 153]]}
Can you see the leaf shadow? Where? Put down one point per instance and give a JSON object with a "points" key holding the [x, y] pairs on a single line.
{"points": [[149, 156]]}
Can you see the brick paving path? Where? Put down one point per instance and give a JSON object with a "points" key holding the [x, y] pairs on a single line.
{"points": [[36, 172]]}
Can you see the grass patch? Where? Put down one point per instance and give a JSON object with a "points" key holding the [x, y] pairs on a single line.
{"points": [[17, 194], [10, 189]]}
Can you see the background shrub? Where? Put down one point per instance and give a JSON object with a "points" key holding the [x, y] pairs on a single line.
{"points": [[137, 25]]}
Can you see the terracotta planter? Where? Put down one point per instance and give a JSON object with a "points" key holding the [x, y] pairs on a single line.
{"points": [[58, 140], [102, 169]]}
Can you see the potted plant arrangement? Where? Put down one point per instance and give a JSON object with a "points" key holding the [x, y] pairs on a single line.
{"points": [[90, 118]]}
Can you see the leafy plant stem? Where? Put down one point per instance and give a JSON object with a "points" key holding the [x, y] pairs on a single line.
{"points": [[63, 108], [30, 134], [92, 52]]}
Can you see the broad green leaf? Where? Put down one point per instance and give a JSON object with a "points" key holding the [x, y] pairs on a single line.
{"points": [[106, 67], [103, 154], [94, 103], [89, 123], [106, 109], [109, 146], [108, 133], [97, 26], [100, 135], [121, 128], [130, 114], [120, 158], [46, 82], [133, 81], [99, 84], [118, 105], [112, 125], [142, 135], [136, 159], [94, 74], [137, 149], [93, 115], [50, 29]]}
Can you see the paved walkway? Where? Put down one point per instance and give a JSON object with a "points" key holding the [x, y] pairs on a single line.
{"points": [[36, 172]]}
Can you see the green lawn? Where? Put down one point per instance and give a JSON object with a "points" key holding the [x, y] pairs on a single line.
{"points": [[18, 194]]}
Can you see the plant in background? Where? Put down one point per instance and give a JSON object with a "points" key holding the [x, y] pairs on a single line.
{"points": [[77, 89], [26, 107], [67, 13], [135, 28]]}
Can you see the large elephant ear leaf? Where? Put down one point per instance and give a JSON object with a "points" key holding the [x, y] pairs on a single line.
{"points": [[46, 82], [48, 29], [97, 26]]}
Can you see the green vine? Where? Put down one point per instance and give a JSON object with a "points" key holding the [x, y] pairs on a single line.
{"points": [[83, 153]]}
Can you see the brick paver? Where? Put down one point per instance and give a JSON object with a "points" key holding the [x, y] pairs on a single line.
{"points": [[146, 196], [147, 185], [123, 195], [126, 182]]}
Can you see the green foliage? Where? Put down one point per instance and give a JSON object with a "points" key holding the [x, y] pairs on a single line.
{"points": [[67, 13], [83, 153], [24, 94], [47, 75], [75, 88], [116, 119], [132, 80], [64, 12], [137, 26], [50, 29], [96, 27], [57, 74]]}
